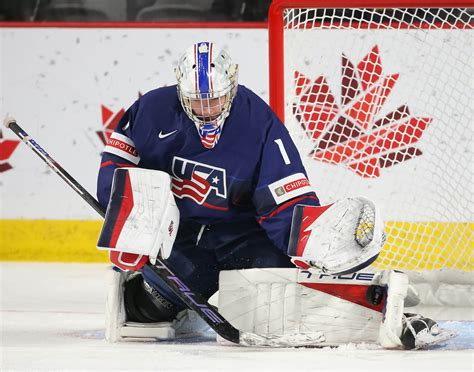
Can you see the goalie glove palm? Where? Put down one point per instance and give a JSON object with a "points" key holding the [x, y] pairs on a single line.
{"points": [[338, 238]]}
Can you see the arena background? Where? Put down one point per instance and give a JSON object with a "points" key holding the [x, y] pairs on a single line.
{"points": [[68, 84]]}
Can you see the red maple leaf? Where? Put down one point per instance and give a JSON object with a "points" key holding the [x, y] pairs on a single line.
{"points": [[7, 147], [351, 133], [109, 122]]}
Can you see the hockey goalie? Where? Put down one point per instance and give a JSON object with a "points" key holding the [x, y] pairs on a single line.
{"points": [[205, 176]]}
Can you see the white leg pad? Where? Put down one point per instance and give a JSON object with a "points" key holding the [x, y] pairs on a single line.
{"points": [[116, 326], [392, 325], [143, 331], [285, 301], [114, 306]]}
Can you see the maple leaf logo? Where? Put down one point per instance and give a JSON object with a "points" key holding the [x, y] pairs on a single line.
{"points": [[351, 133], [110, 121], [7, 147]]}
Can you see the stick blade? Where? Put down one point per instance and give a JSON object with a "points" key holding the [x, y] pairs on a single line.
{"points": [[289, 340]]}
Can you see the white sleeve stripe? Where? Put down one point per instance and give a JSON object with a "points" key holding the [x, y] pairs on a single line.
{"points": [[289, 187], [122, 146], [122, 154]]}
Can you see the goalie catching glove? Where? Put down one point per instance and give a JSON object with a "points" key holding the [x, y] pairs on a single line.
{"points": [[142, 218], [338, 238]]}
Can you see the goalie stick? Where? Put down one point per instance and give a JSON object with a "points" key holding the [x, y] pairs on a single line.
{"points": [[194, 301]]}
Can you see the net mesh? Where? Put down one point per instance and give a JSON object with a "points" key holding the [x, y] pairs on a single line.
{"points": [[380, 104]]}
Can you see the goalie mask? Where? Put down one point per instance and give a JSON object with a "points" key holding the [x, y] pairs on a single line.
{"points": [[207, 84]]}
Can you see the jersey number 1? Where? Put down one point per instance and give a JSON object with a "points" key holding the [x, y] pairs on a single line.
{"points": [[283, 152]]}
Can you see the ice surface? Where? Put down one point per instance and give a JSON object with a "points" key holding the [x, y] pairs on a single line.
{"points": [[52, 318]]}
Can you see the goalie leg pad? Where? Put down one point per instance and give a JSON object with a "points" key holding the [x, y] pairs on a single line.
{"points": [[117, 326], [288, 302], [391, 328], [144, 327]]}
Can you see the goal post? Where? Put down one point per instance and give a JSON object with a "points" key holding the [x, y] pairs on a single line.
{"points": [[378, 97]]}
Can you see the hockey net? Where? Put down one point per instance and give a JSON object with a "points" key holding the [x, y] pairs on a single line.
{"points": [[379, 100]]}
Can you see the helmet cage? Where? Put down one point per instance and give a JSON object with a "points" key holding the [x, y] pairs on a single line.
{"points": [[207, 84], [213, 107]]}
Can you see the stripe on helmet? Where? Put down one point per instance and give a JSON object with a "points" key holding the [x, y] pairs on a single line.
{"points": [[210, 67], [195, 70], [203, 64]]}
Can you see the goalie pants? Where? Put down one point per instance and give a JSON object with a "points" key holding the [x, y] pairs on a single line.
{"points": [[200, 252]]}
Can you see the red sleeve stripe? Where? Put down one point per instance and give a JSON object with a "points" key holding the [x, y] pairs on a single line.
{"points": [[126, 165], [118, 165], [106, 163], [283, 206]]}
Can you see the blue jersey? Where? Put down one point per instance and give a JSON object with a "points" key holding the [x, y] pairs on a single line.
{"points": [[254, 171]]}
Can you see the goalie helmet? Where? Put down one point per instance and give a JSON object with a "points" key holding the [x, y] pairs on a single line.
{"points": [[207, 84]]}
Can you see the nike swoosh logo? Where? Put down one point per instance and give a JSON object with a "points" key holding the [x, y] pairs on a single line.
{"points": [[162, 135]]}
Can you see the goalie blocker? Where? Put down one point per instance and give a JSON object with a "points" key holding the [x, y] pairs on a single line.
{"points": [[142, 218]]}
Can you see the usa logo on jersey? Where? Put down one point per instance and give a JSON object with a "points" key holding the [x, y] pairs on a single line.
{"points": [[196, 181]]}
